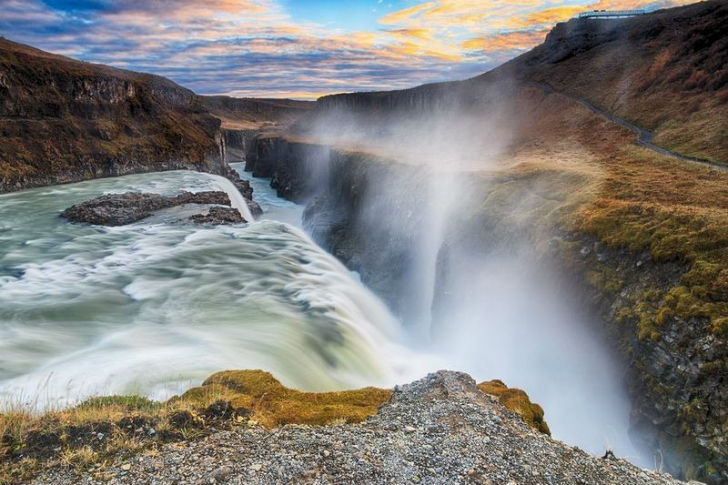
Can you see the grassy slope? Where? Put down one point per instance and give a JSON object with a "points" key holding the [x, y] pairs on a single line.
{"points": [[629, 197], [666, 72], [669, 73]]}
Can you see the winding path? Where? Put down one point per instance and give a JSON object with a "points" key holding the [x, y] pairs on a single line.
{"points": [[644, 137]]}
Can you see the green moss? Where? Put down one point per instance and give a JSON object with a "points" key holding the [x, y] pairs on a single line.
{"points": [[719, 325], [605, 279], [714, 367], [623, 315]]}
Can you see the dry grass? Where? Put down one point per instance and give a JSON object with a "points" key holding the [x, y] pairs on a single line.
{"points": [[86, 438], [587, 176]]}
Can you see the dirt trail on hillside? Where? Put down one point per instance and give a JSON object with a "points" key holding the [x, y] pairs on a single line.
{"points": [[644, 137]]}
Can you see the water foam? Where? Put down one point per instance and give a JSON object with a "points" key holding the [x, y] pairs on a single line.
{"points": [[236, 199], [154, 308]]}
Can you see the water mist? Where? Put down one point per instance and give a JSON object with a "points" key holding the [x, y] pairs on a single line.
{"points": [[495, 309]]}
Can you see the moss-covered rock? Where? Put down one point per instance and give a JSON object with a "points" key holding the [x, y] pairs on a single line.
{"points": [[517, 401], [269, 403]]}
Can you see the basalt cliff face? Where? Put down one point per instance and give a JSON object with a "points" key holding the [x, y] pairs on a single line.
{"points": [[588, 164], [63, 120], [245, 118]]}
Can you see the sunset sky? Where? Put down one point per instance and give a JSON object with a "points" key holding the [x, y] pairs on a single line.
{"points": [[294, 48]]}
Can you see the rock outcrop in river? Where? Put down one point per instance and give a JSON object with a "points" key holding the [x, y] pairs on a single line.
{"points": [[122, 209]]}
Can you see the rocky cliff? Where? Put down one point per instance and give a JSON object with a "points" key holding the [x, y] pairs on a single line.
{"points": [[638, 231], [245, 118], [64, 120]]}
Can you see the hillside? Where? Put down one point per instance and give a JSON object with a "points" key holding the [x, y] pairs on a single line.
{"points": [[666, 72], [547, 144], [63, 120]]}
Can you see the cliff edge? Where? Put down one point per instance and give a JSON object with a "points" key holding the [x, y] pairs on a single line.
{"points": [[440, 429]]}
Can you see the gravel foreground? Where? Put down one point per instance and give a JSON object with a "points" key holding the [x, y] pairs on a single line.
{"points": [[438, 430]]}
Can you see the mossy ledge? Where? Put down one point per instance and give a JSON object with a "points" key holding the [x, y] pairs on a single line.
{"points": [[88, 437]]}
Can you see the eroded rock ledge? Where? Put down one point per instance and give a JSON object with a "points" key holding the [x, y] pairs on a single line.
{"points": [[440, 429], [122, 209]]}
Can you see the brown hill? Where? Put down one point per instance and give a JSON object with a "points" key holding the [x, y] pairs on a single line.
{"points": [[666, 72], [254, 113], [63, 120]]}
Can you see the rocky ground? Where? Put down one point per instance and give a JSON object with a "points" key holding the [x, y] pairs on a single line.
{"points": [[438, 430], [121, 209]]}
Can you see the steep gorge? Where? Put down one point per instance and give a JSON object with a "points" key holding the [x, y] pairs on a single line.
{"points": [[632, 231], [63, 120]]}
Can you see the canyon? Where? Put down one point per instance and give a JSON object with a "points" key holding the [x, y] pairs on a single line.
{"points": [[420, 191], [628, 225]]}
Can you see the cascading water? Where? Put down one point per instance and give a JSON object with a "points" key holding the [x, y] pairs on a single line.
{"points": [[237, 201], [439, 206], [155, 307]]}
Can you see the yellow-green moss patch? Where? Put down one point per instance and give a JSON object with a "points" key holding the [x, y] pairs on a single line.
{"points": [[517, 401]]}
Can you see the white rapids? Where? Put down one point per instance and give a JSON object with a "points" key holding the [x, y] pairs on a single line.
{"points": [[155, 307]]}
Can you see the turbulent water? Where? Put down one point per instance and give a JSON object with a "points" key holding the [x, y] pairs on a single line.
{"points": [[157, 306]]}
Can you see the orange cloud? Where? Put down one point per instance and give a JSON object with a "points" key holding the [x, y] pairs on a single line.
{"points": [[517, 40], [253, 46], [547, 16], [406, 14]]}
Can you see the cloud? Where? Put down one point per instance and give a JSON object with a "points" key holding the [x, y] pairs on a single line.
{"points": [[406, 14], [255, 48]]}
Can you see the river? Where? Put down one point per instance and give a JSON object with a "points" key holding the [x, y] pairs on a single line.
{"points": [[157, 306]]}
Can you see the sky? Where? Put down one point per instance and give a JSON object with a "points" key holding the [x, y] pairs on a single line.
{"points": [[295, 48]]}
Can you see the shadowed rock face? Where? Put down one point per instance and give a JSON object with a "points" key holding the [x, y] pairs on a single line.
{"points": [[64, 120], [122, 209]]}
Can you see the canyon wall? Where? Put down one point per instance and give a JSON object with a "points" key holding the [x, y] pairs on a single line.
{"points": [[63, 121], [674, 371]]}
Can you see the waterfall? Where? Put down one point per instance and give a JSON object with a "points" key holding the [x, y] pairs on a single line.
{"points": [[153, 308], [236, 199]]}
